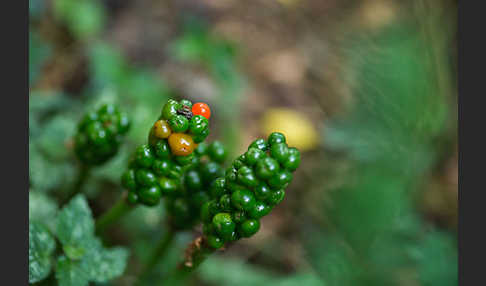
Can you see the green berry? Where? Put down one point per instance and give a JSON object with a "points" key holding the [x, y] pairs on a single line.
{"points": [[266, 168], [170, 109], [201, 149], [280, 152], [89, 118], [217, 188], [145, 177], [215, 242], [275, 138], [276, 197], [97, 135], [262, 191], [237, 164], [132, 197], [192, 181], [150, 196], [243, 199], [175, 172], [210, 171], [225, 203], [230, 174], [253, 155], [179, 123], [217, 152], [259, 144], [208, 210], [162, 167], [123, 123], [128, 180], [293, 160], [239, 216], [246, 177], [223, 224], [249, 227], [185, 160], [167, 186], [280, 180], [144, 156], [198, 138], [107, 109], [162, 149], [185, 102], [260, 209], [198, 124]]}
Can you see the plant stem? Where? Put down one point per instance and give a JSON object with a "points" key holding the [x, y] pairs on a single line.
{"points": [[159, 252], [83, 174], [195, 254], [120, 208]]}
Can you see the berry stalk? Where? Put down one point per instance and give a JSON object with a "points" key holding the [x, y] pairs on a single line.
{"points": [[118, 210]]}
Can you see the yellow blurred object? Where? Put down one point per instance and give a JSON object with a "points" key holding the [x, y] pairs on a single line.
{"points": [[297, 128]]}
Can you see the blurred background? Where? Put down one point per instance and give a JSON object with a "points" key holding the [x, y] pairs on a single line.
{"points": [[366, 90]]}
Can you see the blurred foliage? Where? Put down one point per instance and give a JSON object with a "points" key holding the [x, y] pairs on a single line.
{"points": [[198, 45], [367, 230], [39, 52], [375, 236]]}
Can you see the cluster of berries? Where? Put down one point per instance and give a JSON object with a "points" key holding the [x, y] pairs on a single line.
{"points": [[157, 168], [100, 134], [184, 205], [251, 187]]}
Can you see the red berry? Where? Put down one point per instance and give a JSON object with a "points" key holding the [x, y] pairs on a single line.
{"points": [[201, 109]]}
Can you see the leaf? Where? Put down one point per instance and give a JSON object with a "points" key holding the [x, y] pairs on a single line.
{"points": [[104, 264], [53, 140], [41, 246], [70, 273], [42, 209], [75, 227]]}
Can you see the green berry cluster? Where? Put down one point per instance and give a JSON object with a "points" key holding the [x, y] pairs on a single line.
{"points": [[184, 205], [157, 169], [251, 187], [100, 134]]}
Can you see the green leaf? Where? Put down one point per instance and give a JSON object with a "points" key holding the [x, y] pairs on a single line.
{"points": [[41, 246], [42, 209], [75, 227], [71, 273], [103, 264]]}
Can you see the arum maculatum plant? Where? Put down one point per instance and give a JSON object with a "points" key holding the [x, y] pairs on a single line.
{"points": [[176, 165]]}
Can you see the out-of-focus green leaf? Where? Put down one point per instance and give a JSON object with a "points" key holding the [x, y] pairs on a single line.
{"points": [[42, 209], [436, 257], [237, 272], [55, 136], [75, 227], [71, 273], [45, 175], [41, 247], [84, 18]]}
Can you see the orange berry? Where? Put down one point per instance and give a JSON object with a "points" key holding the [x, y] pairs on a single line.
{"points": [[181, 144], [201, 109]]}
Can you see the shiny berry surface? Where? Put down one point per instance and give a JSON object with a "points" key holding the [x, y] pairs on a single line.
{"points": [[201, 109]]}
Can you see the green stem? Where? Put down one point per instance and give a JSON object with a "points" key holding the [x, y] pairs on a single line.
{"points": [[83, 174], [120, 208], [159, 252]]}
